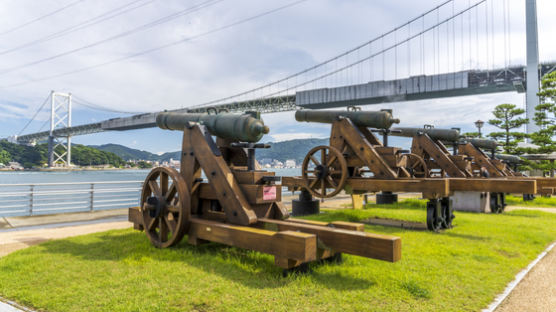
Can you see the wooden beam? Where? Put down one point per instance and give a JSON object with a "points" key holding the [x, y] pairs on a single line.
{"points": [[436, 187], [296, 246], [376, 246], [352, 226], [520, 186]]}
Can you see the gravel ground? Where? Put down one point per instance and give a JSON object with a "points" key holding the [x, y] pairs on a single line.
{"points": [[537, 291]]}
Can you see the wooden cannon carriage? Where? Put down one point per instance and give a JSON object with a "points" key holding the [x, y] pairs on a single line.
{"points": [[236, 203], [356, 161], [468, 160], [500, 165]]}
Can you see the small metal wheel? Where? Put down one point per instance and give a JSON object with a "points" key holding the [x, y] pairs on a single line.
{"points": [[447, 213], [416, 166], [497, 202], [328, 171], [165, 206], [434, 215]]}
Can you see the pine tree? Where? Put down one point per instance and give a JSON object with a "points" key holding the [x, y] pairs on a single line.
{"points": [[507, 118], [545, 118]]}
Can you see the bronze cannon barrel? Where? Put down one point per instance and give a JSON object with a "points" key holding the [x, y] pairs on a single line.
{"points": [[241, 127], [512, 159], [370, 119], [483, 143], [448, 135]]}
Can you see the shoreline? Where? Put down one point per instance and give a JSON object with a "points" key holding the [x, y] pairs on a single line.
{"points": [[67, 169]]}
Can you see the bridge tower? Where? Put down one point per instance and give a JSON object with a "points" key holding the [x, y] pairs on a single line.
{"points": [[60, 116], [532, 99]]}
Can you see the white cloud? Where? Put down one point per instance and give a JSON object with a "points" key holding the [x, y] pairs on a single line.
{"points": [[230, 61]]}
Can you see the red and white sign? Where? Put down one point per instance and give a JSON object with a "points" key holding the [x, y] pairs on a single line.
{"points": [[269, 192]]}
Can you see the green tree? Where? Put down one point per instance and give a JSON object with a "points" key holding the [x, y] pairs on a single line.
{"points": [[471, 134], [545, 118], [144, 165], [5, 157], [507, 117]]}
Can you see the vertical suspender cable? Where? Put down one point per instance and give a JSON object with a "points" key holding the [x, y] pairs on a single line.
{"points": [[509, 35], [487, 38], [409, 51], [477, 34], [438, 40], [396, 54], [462, 45], [422, 38], [372, 62], [454, 37], [505, 35], [383, 60], [493, 40], [469, 34]]}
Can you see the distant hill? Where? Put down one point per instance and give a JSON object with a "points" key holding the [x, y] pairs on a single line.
{"points": [[36, 156], [126, 153], [293, 149]]}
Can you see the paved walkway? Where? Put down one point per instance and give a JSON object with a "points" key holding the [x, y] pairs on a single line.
{"points": [[537, 291]]}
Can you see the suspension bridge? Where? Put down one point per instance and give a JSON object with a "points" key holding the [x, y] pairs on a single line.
{"points": [[451, 50]]}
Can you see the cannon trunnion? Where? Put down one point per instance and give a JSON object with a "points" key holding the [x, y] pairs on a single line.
{"points": [[236, 203]]}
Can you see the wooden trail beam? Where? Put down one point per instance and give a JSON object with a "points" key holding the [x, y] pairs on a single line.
{"points": [[352, 226], [501, 185], [376, 246], [289, 247]]}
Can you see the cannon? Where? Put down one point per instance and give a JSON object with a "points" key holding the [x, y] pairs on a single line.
{"points": [[370, 119], [221, 195], [357, 162], [449, 135]]}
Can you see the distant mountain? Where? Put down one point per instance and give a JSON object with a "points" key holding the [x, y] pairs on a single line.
{"points": [[293, 149], [126, 153]]}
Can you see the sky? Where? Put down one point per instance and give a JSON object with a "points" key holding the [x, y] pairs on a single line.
{"points": [[58, 45]]}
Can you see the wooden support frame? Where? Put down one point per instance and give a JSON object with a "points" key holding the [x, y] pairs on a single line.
{"points": [[427, 148], [481, 159], [240, 206]]}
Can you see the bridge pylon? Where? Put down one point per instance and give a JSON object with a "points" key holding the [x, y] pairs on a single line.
{"points": [[60, 117], [532, 99]]}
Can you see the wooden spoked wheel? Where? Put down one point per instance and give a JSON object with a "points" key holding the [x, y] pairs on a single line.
{"points": [[324, 168], [165, 207], [416, 166]]}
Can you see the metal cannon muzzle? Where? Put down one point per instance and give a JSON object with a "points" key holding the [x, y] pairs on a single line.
{"points": [[484, 143], [241, 127], [512, 159], [449, 135], [370, 119]]}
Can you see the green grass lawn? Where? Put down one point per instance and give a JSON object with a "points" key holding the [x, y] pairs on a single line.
{"points": [[462, 269], [537, 202]]}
